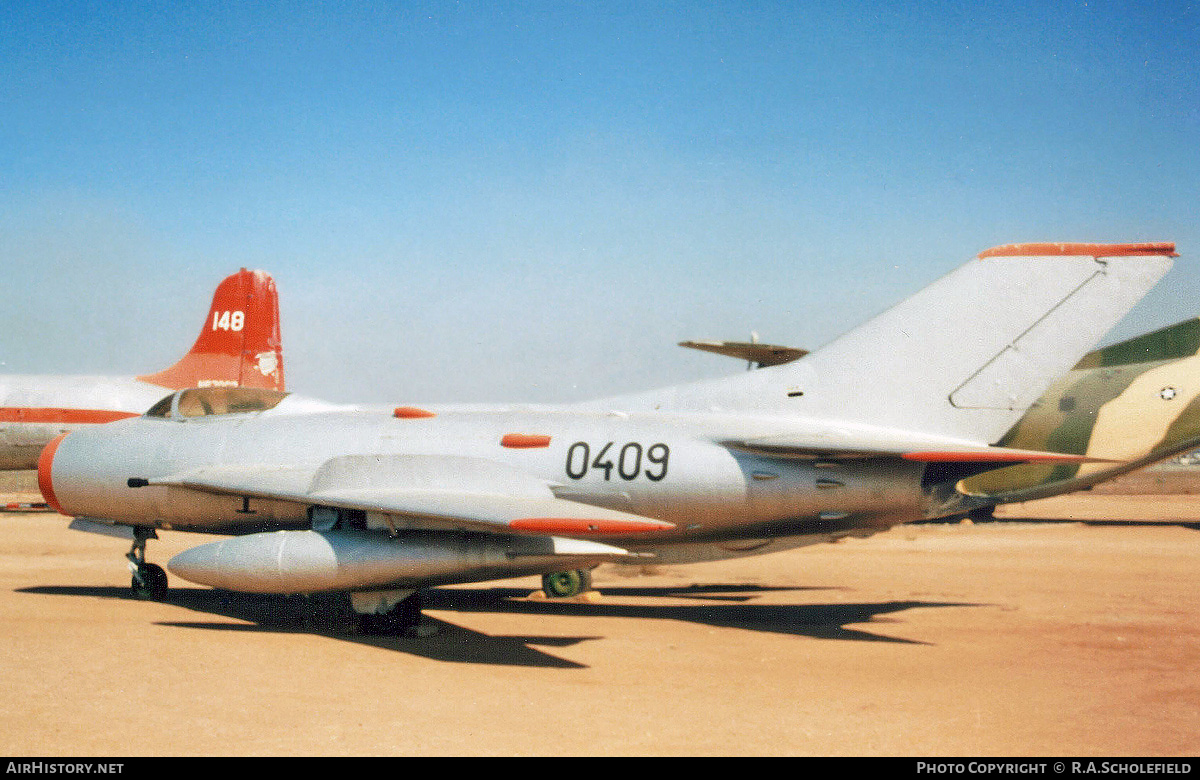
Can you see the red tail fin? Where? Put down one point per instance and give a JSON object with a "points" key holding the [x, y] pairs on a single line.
{"points": [[239, 343]]}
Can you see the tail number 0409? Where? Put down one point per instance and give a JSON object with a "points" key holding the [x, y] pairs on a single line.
{"points": [[626, 463], [229, 320]]}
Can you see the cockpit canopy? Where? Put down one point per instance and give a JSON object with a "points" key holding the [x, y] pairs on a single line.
{"points": [[206, 401]]}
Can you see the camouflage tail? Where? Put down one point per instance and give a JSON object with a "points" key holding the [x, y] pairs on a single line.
{"points": [[1132, 403]]}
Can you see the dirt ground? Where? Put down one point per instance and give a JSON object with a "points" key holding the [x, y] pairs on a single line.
{"points": [[992, 639]]}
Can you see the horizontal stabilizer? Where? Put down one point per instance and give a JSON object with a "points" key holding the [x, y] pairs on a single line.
{"points": [[895, 445], [1173, 342], [761, 355]]}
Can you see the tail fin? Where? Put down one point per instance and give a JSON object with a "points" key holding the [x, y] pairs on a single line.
{"points": [[239, 343], [969, 353], [962, 358]]}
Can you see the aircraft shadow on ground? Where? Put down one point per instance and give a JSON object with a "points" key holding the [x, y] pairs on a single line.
{"points": [[722, 606]]}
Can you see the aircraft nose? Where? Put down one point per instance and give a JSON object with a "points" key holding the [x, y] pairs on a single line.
{"points": [[45, 472]]}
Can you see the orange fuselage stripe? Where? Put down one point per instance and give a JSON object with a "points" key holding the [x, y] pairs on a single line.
{"points": [[30, 414], [411, 413], [572, 525]]}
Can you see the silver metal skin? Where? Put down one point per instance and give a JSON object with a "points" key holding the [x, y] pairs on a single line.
{"points": [[324, 561], [709, 492], [848, 440]]}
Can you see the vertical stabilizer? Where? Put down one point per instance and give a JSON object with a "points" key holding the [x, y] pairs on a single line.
{"points": [[239, 343], [962, 358], [969, 353]]}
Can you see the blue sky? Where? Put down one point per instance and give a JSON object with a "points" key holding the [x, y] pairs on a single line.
{"points": [[535, 201]]}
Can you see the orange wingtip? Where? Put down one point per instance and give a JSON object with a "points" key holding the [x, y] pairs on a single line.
{"points": [[576, 526], [524, 441], [1067, 249], [412, 413], [996, 457]]}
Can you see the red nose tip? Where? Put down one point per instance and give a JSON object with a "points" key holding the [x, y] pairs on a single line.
{"points": [[45, 463]]}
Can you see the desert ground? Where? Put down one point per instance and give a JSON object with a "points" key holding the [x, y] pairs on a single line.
{"points": [[1055, 631]]}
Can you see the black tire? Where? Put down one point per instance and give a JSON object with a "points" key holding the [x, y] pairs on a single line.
{"points": [[983, 514], [152, 583], [565, 584], [401, 617]]}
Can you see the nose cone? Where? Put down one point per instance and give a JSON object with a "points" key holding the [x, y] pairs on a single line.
{"points": [[44, 472], [87, 471]]}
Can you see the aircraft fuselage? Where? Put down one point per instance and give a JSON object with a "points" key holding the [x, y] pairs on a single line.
{"points": [[669, 468]]}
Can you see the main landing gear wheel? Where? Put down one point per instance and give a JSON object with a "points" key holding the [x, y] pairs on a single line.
{"points": [[399, 618], [149, 581], [565, 584]]}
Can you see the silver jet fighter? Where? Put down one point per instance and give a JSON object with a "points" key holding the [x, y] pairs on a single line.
{"points": [[864, 433]]}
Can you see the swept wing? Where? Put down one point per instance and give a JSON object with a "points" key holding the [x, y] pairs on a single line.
{"points": [[429, 491]]}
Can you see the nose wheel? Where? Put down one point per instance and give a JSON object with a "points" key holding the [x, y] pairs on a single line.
{"points": [[149, 581]]}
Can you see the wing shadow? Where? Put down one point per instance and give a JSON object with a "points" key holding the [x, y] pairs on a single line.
{"points": [[816, 621], [722, 606], [332, 617]]}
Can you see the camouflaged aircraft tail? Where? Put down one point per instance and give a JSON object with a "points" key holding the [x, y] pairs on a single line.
{"points": [[1132, 403], [1170, 343]]}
